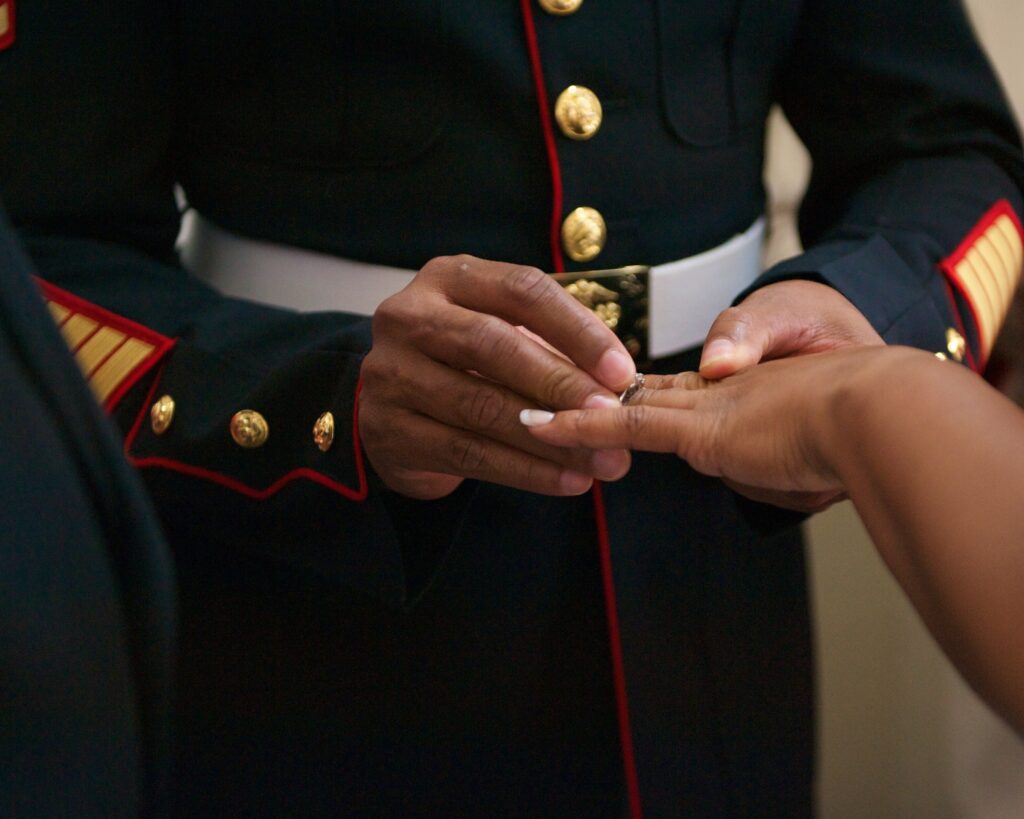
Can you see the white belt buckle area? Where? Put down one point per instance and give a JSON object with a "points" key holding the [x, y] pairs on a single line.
{"points": [[666, 309], [673, 311], [687, 296]]}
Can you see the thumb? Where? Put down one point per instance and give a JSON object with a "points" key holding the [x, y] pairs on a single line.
{"points": [[739, 338]]}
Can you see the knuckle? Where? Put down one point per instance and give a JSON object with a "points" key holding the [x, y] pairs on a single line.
{"points": [[450, 271], [486, 407], [393, 314], [690, 380], [379, 368], [580, 424], [738, 316], [530, 286], [635, 419], [490, 340], [560, 388], [436, 265], [469, 456]]}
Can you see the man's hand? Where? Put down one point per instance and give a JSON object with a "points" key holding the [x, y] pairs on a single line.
{"points": [[783, 319], [450, 370]]}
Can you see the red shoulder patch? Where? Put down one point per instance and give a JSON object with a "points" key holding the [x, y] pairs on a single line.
{"points": [[6, 23]]}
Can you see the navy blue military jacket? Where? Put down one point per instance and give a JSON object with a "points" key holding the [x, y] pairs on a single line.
{"points": [[394, 133], [86, 609]]}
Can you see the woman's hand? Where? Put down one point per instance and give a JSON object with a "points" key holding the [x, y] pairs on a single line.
{"points": [[769, 428]]}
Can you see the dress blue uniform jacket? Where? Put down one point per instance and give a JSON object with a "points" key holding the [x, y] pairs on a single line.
{"points": [[349, 652], [86, 611]]}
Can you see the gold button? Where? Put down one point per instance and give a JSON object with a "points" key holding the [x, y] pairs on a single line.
{"points": [[560, 7], [941, 357], [323, 431], [249, 429], [161, 414], [955, 344], [578, 112], [583, 234]]}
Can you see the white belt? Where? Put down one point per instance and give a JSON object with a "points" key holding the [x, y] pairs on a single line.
{"points": [[685, 296]]}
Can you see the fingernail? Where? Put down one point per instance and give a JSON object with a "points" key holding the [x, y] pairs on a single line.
{"points": [[598, 401], [575, 483], [718, 349], [615, 369], [536, 418], [609, 464]]}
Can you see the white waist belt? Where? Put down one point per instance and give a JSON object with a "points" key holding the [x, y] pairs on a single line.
{"points": [[685, 295]]}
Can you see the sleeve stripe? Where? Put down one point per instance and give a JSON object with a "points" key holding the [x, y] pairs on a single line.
{"points": [[112, 352], [60, 314], [77, 329], [987, 279], [999, 271], [109, 376], [98, 348], [1011, 232], [986, 269], [1003, 247], [974, 290]]}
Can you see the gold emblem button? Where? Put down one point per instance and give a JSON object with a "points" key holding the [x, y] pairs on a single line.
{"points": [[249, 429], [161, 414], [955, 344], [583, 234], [578, 112], [560, 7], [323, 431]]}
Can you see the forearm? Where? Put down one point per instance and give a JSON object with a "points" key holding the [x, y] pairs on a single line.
{"points": [[933, 460]]}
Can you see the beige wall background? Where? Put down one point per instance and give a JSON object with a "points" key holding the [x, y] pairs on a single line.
{"points": [[900, 734]]}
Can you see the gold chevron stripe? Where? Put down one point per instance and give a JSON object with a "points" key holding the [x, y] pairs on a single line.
{"points": [[976, 293], [91, 354], [1001, 275], [110, 350], [988, 278], [118, 367], [77, 329], [988, 268], [1005, 228], [58, 311]]}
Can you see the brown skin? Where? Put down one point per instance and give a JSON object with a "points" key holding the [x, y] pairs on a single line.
{"points": [[450, 370], [428, 419], [932, 458], [789, 318]]}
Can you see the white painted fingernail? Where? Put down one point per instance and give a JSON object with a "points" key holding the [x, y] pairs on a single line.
{"points": [[536, 418]]}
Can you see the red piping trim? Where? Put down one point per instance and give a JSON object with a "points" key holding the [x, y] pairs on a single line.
{"points": [[557, 262], [618, 665], [948, 266], [161, 344], [1000, 208], [79, 305], [302, 473]]}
